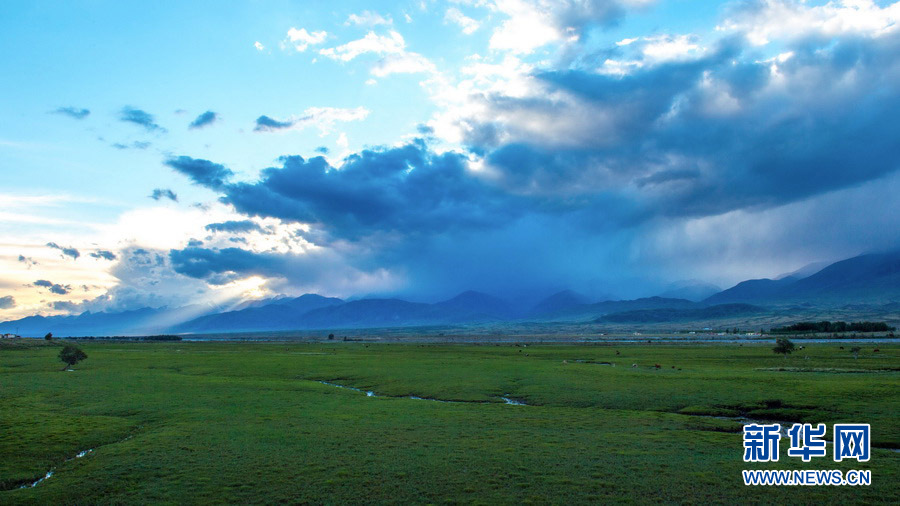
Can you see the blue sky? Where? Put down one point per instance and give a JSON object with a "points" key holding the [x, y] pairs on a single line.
{"points": [[510, 146]]}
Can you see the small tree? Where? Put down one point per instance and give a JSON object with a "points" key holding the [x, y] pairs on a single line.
{"points": [[71, 355], [784, 346], [855, 351], [49, 336], [331, 337]]}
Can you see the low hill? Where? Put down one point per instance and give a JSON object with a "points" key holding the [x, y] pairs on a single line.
{"points": [[671, 315], [582, 312]]}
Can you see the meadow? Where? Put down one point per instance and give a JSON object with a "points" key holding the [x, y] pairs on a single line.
{"points": [[214, 422]]}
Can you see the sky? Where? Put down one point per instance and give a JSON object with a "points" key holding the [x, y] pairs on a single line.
{"points": [[175, 153]]}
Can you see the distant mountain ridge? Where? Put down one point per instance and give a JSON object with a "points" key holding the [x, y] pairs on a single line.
{"points": [[865, 279], [872, 278], [283, 314]]}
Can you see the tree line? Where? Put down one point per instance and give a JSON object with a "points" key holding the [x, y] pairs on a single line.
{"points": [[827, 326]]}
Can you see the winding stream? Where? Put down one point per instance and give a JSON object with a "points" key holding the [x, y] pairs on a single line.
{"points": [[77, 456], [369, 393], [50, 472]]}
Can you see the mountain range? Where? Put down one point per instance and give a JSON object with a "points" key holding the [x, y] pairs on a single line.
{"points": [[865, 279]]}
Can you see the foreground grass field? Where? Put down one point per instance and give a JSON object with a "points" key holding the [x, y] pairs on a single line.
{"points": [[251, 422]]}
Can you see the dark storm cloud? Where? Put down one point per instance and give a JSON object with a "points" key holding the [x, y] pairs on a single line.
{"points": [[64, 305], [53, 287], [73, 112], [313, 270], [406, 189], [710, 135], [7, 302], [138, 117], [69, 252], [163, 193], [237, 227], [203, 172], [104, 254], [205, 119], [667, 176], [267, 124], [221, 266], [412, 212]]}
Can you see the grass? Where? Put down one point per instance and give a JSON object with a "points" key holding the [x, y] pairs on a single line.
{"points": [[249, 422]]}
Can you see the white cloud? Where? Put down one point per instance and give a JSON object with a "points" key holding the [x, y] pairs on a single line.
{"points": [[395, 58], [392, 43], [780, 19], [652, 50], [464, 100], [258, 45], [532, 24], [526, 29], [467, 24], [302, 39], [324, 118], [368, 18], [619, 67], [342, 141], [665, 48], [343, 151], [403, 63]]}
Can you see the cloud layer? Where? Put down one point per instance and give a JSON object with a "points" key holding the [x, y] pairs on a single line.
{"points": [[556, 157], [571, 164]]}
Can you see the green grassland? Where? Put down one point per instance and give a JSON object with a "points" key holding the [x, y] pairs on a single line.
{"points": [[250, 422]]}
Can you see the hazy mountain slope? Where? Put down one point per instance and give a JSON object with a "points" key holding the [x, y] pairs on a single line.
{"points": [[472, 306], [137, 322], [865, 278], [871, 277], [559, 302], [805, 271], [692, 290], [370, 313], [753, 290], [283, 314]]}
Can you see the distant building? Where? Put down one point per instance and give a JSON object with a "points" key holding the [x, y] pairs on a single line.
{"points": [[8, 336]]}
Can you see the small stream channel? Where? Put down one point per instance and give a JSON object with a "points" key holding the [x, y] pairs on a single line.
{"points": [[78, 455], [369, 393]]}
